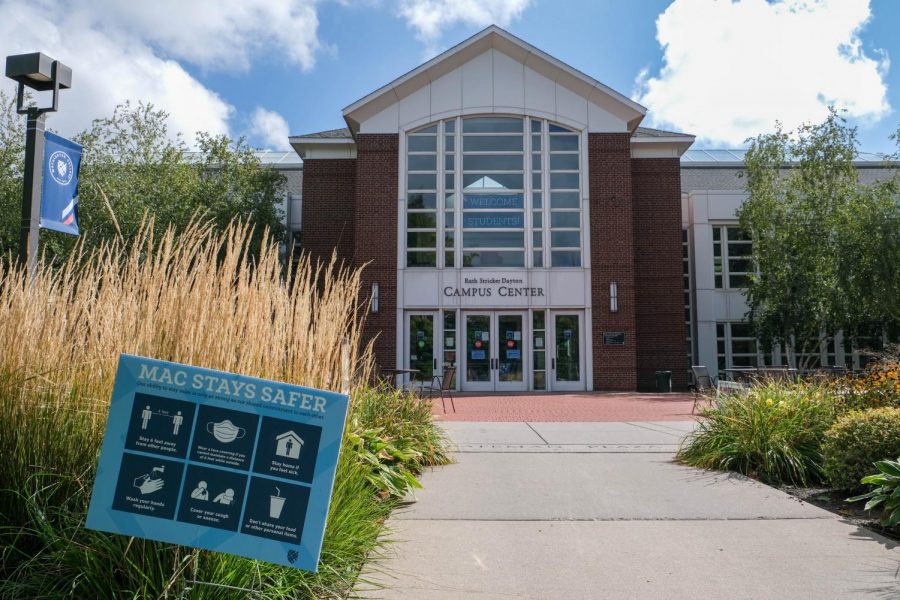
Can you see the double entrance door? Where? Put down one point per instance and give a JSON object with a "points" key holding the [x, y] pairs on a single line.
{"points": [[498, 350]]}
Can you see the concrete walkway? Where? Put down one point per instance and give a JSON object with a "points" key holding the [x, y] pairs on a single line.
{"points": [[598, 510]]}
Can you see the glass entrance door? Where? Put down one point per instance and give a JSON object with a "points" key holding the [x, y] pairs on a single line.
{"points": [[566, 363], [478, 360], [494, 356], [510, 365], [420, 346]]}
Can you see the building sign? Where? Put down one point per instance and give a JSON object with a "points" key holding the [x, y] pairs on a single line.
{"points": [[218, 461], [614, 338], [59, 188], [490, 287], [493, 201], [493, 220]]}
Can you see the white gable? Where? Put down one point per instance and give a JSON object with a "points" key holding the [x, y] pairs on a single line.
{"points": [[494, 72]]}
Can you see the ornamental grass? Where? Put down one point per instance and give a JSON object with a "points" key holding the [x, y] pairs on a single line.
{"points": [[197, 299], [773, 432]]}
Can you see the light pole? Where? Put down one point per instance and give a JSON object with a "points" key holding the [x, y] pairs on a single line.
{"points": [[40, 73]]}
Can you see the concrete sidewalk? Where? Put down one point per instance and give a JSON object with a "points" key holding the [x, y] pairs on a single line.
{"points": [[599, 510]]}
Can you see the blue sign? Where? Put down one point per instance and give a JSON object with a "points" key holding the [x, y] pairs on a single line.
{"points": [[218, 461], [493, 201], [501, 220], [59, 190], [477, 354], [514, 354]]}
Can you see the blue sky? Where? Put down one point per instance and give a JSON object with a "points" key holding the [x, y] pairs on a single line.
{"points": [[722, 70]]}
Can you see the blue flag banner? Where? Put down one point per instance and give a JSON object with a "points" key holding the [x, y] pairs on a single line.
{"points": [[219, 461], [59, 191]]}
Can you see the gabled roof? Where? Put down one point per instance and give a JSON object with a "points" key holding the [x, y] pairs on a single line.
{"points": [[344, 133], [290, 434], [493, 37]]}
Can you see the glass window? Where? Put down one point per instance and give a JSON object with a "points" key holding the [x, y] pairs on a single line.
{"points": [[539, 349], [732, 259], [498, 168]]}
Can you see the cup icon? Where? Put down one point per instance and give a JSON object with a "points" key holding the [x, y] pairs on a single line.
{"points": [[276, 503], [225, 431]]}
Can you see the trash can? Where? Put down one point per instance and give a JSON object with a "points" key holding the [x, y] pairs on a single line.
{"points": [[663, 381]]}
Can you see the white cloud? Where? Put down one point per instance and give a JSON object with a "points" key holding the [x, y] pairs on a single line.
{"points": [[271, 128], [429, 18], [731, 69], [127, 51]]}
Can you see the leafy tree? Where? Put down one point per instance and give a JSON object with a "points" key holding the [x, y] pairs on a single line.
{"points": [[826, 246], [133, 167]]}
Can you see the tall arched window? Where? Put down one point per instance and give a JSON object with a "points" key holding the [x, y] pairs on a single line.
{"points": [[504, 192]]}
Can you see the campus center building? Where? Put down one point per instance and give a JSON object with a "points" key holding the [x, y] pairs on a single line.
{"points": [[515, 221]]}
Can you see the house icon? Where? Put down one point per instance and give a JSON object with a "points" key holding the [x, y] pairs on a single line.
{"points": [[289, 444]]}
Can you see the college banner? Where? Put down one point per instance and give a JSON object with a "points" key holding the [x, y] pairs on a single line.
{"points": [[218, 461], [59, 191]]}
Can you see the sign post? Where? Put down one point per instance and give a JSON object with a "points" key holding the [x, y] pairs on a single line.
{"points": [[218, 461]]}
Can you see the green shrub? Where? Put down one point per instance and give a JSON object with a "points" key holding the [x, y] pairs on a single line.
{"points": [[886, 493], [772, 432], [858, 440]]}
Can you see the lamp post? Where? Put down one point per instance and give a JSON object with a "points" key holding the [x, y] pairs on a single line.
{"points": [[40, 73]]}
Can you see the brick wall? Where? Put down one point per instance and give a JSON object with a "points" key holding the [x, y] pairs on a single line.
{"points": [[659, 293], [376, 236], [612, 258], [328, 201]]}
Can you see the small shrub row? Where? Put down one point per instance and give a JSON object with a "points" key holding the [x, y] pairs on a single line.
{"points": [[858, 440]]}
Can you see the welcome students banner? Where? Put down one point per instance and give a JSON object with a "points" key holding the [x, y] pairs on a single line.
{"points": [[59, 190], [218, 461]]}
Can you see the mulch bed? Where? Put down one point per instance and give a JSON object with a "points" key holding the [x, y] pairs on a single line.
{"points": [[835, 501]]}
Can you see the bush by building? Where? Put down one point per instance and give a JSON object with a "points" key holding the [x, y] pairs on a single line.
{"points": [[856, 442]]}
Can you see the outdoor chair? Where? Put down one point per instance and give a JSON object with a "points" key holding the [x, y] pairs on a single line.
{"points": [[440, 384], [703, 382]]}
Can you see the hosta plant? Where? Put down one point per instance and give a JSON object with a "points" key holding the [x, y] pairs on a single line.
{"points": [[887, 494]]}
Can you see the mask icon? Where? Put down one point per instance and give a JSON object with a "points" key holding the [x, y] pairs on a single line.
{"points": [[225, 431]]}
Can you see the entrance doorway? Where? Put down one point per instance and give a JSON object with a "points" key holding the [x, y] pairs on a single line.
{"points": [[566, 360], [495, 353]]}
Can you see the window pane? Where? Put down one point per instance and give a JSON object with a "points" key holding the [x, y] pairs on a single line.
{"points": [[538, 258], [423, 220], [448, 259], [450, 126], [448, 239], [554, 128], [742, 330], [448, 219], [538, 319], [565, 239], [564, 200], [493, 239], [565, 258], [536, 142], [565, 219], [740, 265], [492, 162], [536, 161], [736, 233], [425, 239], [497, 181], [740, 249], [425, 143], [492, 143], [563, 181], [535, 200], [537, 239], [448, 162], [449, 182], [537, 219], [429, 129], [420, 259], [535, 126], [489, 258], [717, 234], [449, 200], [448, 143], [421, 162], [492, 125], [422, 182], [565, 143], [493, 201], [420, 200], [563, 162], [738, 281]]}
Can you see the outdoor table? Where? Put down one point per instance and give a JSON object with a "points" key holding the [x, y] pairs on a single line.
{"points": [[393, 373]]}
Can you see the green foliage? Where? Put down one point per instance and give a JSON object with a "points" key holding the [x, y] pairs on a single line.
{"points": [[841, 237], [772, 432], [133, 166], [858, 440], [886, 493]]}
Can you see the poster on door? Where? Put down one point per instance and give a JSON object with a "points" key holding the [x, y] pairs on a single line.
{"points": [[218, 461]]}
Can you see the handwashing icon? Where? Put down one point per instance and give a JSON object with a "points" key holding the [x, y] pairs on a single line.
{"points": [[225, 431]]}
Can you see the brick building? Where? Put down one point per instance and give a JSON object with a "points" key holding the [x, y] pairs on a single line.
{"points": [[516, 221]]}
